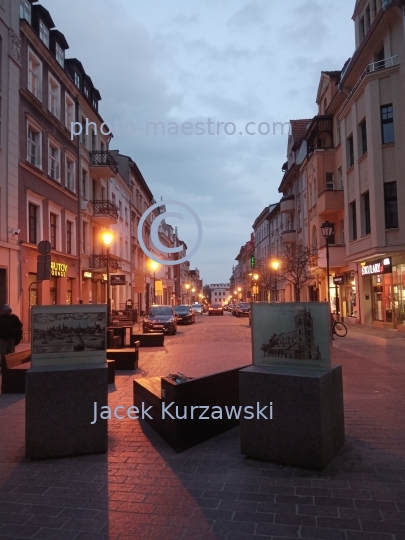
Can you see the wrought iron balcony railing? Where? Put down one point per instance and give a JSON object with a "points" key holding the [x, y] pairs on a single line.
{"points": [[99, 262], [102, 158], [106, 209]]}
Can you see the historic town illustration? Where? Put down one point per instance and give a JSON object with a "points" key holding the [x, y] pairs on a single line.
{"points": [[296, 344], [68, 332]]}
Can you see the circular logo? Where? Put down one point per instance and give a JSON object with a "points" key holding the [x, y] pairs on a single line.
{"points": [[155, 233]]}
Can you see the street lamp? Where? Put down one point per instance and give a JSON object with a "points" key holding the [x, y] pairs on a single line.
{"points": [[275, 265], [187, 286], [107, 237], [239, 295], [154, 266], [327, 231], [193, 297]]}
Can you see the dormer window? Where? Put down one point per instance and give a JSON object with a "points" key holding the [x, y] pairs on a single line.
{"points": [[60, 55], [43, 33], [77, 79], [25, 10], [86, 91], [95, 104]]}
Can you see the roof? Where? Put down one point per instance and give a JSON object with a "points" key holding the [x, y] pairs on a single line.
{"points": [[298, 128]]}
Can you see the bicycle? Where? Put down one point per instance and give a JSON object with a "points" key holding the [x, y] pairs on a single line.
{"points": [[339, 328]]}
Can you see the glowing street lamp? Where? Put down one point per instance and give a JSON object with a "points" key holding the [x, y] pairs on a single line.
{"points": [[327, 231], [187, 286], [154, 266], [275, 265], [107, 238]]}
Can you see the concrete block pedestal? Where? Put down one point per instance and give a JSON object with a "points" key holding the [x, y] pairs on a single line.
{"points": [[60, 408], [307, 425]]}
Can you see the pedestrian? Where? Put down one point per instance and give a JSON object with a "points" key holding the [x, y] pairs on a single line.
{"points": [[10, 331]]}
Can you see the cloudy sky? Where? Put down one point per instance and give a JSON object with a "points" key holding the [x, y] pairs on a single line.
{"points": [[230, 62]]}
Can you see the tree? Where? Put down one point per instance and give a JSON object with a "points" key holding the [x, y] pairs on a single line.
{"points": [[297, 260]]}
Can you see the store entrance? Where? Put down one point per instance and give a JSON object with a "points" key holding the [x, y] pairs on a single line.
{"points": [[382, 300]]}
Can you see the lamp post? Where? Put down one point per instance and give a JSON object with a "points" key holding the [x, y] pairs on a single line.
{"points": [[239, 295], [327, 231], [255, 294], [187, 285], [154, 266], [107, 239], [193, 297], [275, 265]]}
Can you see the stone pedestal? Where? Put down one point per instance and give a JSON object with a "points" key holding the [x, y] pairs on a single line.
{"points": [[60, 408], [307, 425]]}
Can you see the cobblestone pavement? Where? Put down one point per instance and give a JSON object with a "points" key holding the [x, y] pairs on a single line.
{"points": [[143, 490]]}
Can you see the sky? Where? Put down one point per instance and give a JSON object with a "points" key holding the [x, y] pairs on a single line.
{"points": [[222, 65]]}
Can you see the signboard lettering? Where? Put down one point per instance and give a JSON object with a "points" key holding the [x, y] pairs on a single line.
{"points": [[380, 267], [58, 269], [118, 279]]}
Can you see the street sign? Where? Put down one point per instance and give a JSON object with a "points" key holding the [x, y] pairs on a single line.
{"points": [[118, 279], [44, 247], [43, 267], [339, 280]]}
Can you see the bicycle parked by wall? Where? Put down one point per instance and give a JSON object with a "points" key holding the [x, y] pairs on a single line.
{"points": [[338, 328]]}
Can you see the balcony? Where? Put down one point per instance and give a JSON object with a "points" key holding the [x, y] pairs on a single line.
{"points": [[330, 201], [98, 263], [289, 237], [105, 212], [287, 204], [337, 254], [102, 165]]}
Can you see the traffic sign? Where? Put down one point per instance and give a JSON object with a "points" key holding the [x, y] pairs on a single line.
{"points": [[43, 267], [44, 247]]}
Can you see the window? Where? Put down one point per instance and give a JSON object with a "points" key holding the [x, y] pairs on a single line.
{"points": [[387, 124], [54, 97], [86, 91], [70, 174], [113, 197], [338, 134], [78, 80], [69, 230], [84, 131], [84, 183], [84, 236], [34, 146], [25, 10], [365, 207], [350, 152], [60, 55], [340, 178], [120, 209], [126, 214], [95, 104], [69, 111], [391, 205], [362, 29], [332, 238], [43, 33], [34, 75], [93, 141], [342, 231], [53, 161], [94, 189], [329, 180], [103, 193], [368, 18], [52, 229], [32, 223], [353, 220], [363, 137]]}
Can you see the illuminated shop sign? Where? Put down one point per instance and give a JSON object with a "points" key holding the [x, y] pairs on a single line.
{"points": [[380, 267], [58, 269], [87, 274], [338, 280]]}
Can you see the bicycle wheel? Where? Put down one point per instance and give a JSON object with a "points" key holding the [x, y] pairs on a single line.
{"points": [[340, 329]]}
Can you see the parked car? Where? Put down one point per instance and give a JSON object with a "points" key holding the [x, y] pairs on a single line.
{"points": [[160, 319], [197, 308], [184, 314], [215, 309], [243, 309]]}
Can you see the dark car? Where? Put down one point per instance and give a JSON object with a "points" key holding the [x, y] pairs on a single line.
{"points": [[243, 309], [184, 314], [215, 309], [160, 319]]}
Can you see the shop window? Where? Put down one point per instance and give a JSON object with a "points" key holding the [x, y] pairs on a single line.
{"points": [[53, 290], [391, 205], [69, 287]]}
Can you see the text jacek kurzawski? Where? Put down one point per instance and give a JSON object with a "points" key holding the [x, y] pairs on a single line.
{"points": [[193, 412]]}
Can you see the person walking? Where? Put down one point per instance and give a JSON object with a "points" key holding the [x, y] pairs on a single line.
{"points": [[10, 331]]}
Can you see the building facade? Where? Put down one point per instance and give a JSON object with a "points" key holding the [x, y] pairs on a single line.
{"points": [[10, 228], [219, 293]]}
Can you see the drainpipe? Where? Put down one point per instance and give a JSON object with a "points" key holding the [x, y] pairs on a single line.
{"points": [[79, 208]]}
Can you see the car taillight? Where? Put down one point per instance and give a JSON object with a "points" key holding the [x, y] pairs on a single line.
{"points": [[210, 309]]}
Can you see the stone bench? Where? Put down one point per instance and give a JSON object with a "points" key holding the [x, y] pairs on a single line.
{"points": [[152, 339], [14, 367], [125, 359], [218, 389]]}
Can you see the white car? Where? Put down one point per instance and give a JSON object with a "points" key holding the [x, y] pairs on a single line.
{"points": [[197, 308]]}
